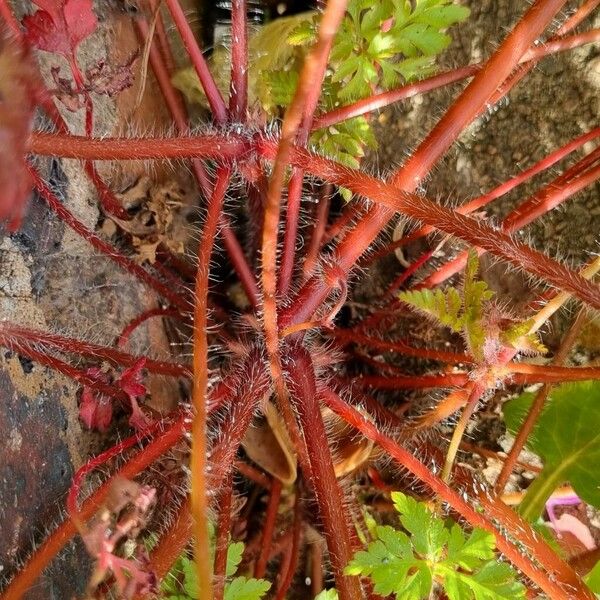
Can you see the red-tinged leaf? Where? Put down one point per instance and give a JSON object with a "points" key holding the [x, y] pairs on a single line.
{"points": [[106, 79], [95, 411], [131, 379], [18, 84], [60, 25], [131, 383]]}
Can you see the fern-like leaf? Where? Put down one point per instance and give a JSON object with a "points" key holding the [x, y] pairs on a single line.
{"points": [[432, 552]]}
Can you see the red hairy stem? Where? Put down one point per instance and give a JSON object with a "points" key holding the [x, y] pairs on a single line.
{"points": [[399, 346], [309, 100], [303, 392], [408, 272], [310, 77], [476, 233], [580, 14], [458, 116], [406, 460], [249, 472], [199, 501], [108, 200], [215, 146], [213, 95], [474, 98], [171, 544], [24, 348], [178, 112], [522, 532], [294, 554], [142, 318], [99, 460], [549, 197], [417, 382], [383, 99], [497, 192], [551, 373], [27, 575], [353, 211], [260, 567], [290, 231], [15, 334], [222, 542], [99, 244], [318, 231], [238, 92], [537, 405], [562, 188], [239, 262]]}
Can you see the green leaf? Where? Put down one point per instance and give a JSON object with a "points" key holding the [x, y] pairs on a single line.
{"points": [[567, 438], [190, 578], [242, 588], [330, 594], [494, 581], [234, 557], [592, 579], [435, 552]]}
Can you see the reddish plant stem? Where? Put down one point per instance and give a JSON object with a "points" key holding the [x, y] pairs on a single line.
{"points": [[417, 382], [238, 92], [476, 233], [26, 349], [216, 146], [353, 211], [383, 99], [463, 111], [302, 386], [537, 406], [24, 337], [463, 507], [307, 98], [178, 112], [290, 231], [318, 231], [548, 198], [580, 14], [474, 98], [260, 567], [27, 575], [222, 542], [399, 346], [213, 95], [497, 192], [199, 500], [249, 472], [311, 76], [107, 249], [292, 561], [171, 544], [142, 318], [99, 460]]}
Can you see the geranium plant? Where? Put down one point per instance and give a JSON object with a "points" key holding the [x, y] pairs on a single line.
{"points": [[278, 353]]}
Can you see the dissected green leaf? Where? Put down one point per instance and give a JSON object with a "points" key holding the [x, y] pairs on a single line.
{"points": [[435, 553], [567, 438], [181, 583], [242, 588]]}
